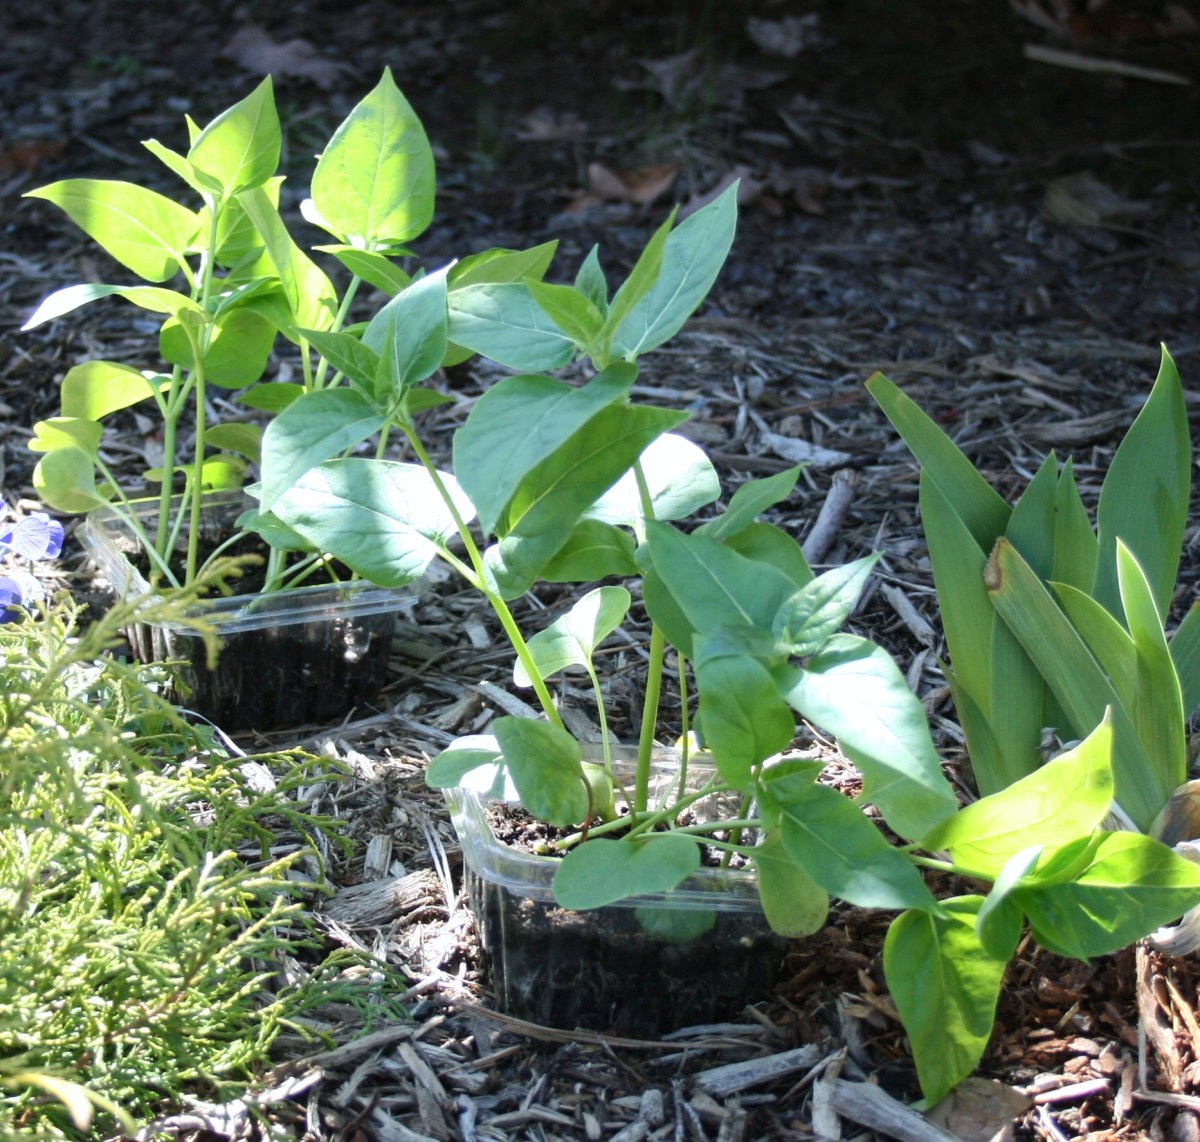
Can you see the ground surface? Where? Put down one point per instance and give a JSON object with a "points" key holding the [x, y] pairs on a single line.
{"points": [[1009, 238]]}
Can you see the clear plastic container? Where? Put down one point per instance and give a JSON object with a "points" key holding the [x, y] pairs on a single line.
{"points": [[305, 654], [641, 966]]}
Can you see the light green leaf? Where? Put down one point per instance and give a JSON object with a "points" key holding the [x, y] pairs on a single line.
{"points": [[69, 432], [1068, 797], [240, 147], [244, 439], [65, 480], [271, 396], [1185, 652], [827, 834], [501, 265], [145, 231], [346, 353], [570, 310], [794, 904], [92, 390], [590, 281], [374, 268], [503, 323], [945, 984], [544, 763], [1075, 545], [594, 550], [601, 871], [766, 543], [153, 298], [449, 769], [1144, 500], [1132, 886], [1105, 637], [679, 477], [812, 614], [239, 346], [179, 166], [409, 334], [375, 180], [1000, 918], [383, 519], [519, 423], [749, 501], [854, 690], [572, 639], [692, 256], [320, 425]]}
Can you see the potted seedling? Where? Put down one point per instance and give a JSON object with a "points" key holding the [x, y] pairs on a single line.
{"points": [[221, 272]]}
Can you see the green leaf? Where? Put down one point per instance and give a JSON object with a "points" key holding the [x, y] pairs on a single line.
{"points": [[1144, 500], [945, 984], [179, 166], [590, 281], [1185, 652], [65, 480], [503, 323], [594, 550], [601, 871], [239, 346], [153, 298], [244, 439], [145, 231], [827, 834], [674, 925], [346, 353], [271, 396], [679, 477], [854, 690], [742, 716], [808, 617], [519, 423], [409, 334], [553, 497], [450, 767], [572, 639], [710, 585], [1076, 548], [766, 543], [691, 259], [383, 519], [749, 501], [92, 390], [545, 766], [1106, 638], [1132, 886], [1068, 797], [375, 269], [1000, 918], [240, 147], [570, 310], [67, 432], [375, 180], [638, 284], [794, 904], [320, 425], [501, 265]]}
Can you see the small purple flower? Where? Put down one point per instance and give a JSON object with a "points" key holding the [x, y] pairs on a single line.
{"points": [[37, 536], [18, 589]]}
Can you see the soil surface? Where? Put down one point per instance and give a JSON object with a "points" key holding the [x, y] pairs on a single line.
{"points": [[995, 204]]}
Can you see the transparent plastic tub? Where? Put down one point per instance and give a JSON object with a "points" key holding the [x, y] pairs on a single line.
{"points": [[306, 654], [642, 966]]}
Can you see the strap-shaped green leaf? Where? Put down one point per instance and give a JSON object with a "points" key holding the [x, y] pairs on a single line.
{"points": [[1185, 652]]}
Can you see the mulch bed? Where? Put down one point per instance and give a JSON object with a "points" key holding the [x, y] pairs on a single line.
{"points": [[1008, 238]]}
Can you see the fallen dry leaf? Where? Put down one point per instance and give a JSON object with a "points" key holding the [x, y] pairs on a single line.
{"points": [[252, 48], [641, 186], [29, 154], [980, 1110], [748, 191], [787, 37]]}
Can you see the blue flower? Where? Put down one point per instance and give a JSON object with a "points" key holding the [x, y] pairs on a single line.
{"points": [[37, 536], [18, 589]]}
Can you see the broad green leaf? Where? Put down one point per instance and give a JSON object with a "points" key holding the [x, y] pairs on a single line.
{"points": [[1000, 918], [742, 716], [239, 346], [827, 834], [854, 690], [590, 281], [692, 256], [375, 180], [749, 501], [311, 298], [347, 354], [503, 323], [710, 585], [1079, 684], [794, 904], [501, 265], [374, 268], [448, 769], [638, 284], [145, 231], [239, 246], [570, 310], [674, 925], [409, 334], [69, 432], [545, 766], [92, 390], [1132, 886], [601, 871], [383, 519], [319, 426], [232, 436], [1185, 652], [594, 550], [271, 396], [1068, 797], [240, 147], [812, 614], [980, 508], [572, 639], [945, 984], [766, 543], [153, 298], [679, 477], [1144, 500], [65, 480], [1157, 711], [519, 423], [552, 498]]}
